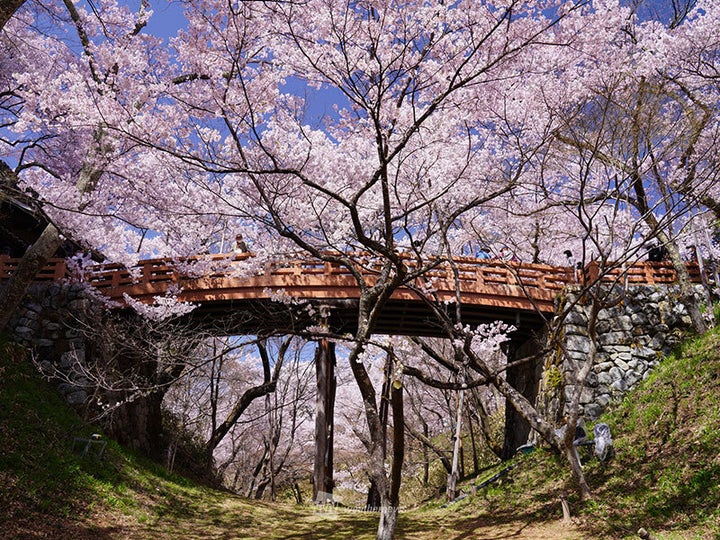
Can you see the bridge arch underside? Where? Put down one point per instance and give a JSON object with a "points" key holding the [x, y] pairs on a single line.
{"points": [[398, 317]]}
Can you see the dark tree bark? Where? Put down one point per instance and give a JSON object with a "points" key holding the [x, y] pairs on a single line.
{"points": [[324, 421], [390, 507], [251, 394], [426, 454], [473, 444], [373, 496], [525, 378], [34, 260], [8, 9], [398, 442]]}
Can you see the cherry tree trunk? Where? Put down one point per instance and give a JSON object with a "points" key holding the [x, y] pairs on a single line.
{"points": [[373, 496], [324, 421], [390, 502], [454, 475], [571, 454], [8, 9], [388, 521]]}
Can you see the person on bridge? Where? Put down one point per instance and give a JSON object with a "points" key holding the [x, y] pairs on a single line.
{"points": [[576, 266], [507, 255], [483, 253], [239, 246]]}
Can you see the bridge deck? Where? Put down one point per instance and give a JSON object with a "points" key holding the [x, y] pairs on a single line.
{"points": [[487, 289]]}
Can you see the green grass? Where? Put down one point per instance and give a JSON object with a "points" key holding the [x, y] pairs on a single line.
{"points": [[665, 477]]}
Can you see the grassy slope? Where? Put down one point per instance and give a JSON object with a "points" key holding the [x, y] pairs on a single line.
{"points": [[667, 472], [665, 477]]}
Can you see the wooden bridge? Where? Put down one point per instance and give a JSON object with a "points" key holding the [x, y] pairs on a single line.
{"points": [[489, 290]]}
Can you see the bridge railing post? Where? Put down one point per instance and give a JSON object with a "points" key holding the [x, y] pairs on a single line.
{"points": [[5, 266], [650, 274], [115, 278], [59, 269], [145, 272], [591, 271]]}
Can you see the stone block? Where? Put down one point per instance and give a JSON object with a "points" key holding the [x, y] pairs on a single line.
{"points": [[622, 364], [575, 330], [51, 326], [657, 341], [603, 400], [586, 396], [632, 379], [617, 349], [602, 366], [592, 411], [623, 323], [576, 356], [576, 318], [77, 397], [578, 343], [31, 315], [603, 327], [644, 353], [67, 360], [613, 338], [602, 389], [616, 374], [24, 331], [45, 366]]}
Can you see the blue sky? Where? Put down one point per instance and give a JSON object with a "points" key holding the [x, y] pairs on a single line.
{"points": [[166, 19]]}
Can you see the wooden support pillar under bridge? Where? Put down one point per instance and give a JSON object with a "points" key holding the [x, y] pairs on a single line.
{"points": [[325, 362]]}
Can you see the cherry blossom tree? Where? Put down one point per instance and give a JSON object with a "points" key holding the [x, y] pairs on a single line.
{"points": [[248, 403], [528, 124], [411, 148], [648, 120], [55, 145]]}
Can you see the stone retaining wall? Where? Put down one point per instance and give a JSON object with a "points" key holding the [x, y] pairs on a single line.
{"points": [[646, 324], [49, 322]]}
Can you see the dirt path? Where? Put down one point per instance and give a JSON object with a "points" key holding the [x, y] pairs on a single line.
{"points": [[234, 518]]}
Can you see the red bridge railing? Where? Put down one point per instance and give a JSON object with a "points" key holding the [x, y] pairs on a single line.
{"points": [[481, 281], [54, 270]]}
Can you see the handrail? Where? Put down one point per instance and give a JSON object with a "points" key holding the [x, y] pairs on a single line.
{"points": [[490, 280], [645, 273], [54, 270]]}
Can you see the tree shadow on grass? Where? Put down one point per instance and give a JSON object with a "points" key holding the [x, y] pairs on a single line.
{"points": [[493, 525]]}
